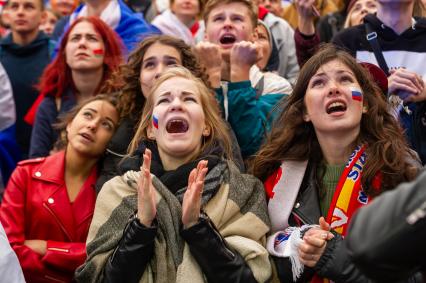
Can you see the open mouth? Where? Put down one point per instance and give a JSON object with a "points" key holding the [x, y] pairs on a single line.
{"points": [[336, 107], [177, 126], [87, 137], [227, 39]]}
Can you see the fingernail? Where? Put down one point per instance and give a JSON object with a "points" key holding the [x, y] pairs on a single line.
{"points": [[324, 235]]}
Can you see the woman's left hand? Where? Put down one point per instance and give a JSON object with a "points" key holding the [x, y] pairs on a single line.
{"points": [[191, 204], [39, 246], [314, 243]]}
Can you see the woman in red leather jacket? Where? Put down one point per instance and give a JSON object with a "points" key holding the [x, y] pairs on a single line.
{"points": [[49, 202]]}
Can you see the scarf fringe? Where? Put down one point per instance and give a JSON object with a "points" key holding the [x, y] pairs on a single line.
{"points": [[286, 244]]}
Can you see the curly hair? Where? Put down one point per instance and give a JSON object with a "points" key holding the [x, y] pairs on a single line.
{"points": [[291, 138], [126, 79]]}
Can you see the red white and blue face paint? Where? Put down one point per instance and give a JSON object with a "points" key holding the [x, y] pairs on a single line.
{"points": [[155, 121], [356, 93], [98, 52]]}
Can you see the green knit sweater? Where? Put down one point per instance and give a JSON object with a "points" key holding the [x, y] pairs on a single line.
{"points": [[329, 183]]}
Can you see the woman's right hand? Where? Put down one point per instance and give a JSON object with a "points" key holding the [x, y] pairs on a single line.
{"points": [[314, 243], [146, 193]]}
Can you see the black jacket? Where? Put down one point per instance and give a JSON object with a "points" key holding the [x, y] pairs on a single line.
{"points": [[386, 239], [43, 135], [335, 263], [217, 261]]}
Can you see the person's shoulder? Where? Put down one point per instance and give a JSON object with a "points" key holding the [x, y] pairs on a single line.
{"points": [[31, 162], [128, 15], [7, 39], [350, 38], [132, 24], [351, 31], [420, 22], [48, 104], [271, 19]]}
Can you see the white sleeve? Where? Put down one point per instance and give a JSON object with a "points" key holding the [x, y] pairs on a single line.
{"points": [[7, 103], [10, 269]]}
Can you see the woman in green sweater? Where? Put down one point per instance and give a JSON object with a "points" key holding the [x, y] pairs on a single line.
{"points": [[333, 148]]}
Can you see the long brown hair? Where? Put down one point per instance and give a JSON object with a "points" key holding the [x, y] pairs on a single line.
{"points": [[126, 79], [291, 138], [66, 119], [218, 129]]}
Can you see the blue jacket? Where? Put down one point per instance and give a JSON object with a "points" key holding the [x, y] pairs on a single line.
{"points": [[44, 135], [249, 115], [9, 154], [9, 149]]}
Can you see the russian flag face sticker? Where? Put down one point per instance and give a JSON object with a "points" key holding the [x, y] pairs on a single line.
{"points": [[98, 52], [356, 94], [155, 121]]}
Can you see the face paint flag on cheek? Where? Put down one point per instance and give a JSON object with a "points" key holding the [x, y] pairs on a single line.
{"points": [[98, 52], [356, 94], [155, 121]]}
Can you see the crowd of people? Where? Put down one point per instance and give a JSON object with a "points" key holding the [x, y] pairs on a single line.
{"points": [[212, 140]]}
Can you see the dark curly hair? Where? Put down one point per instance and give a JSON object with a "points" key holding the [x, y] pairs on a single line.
{"points": [[126, 79], [291, 138]]}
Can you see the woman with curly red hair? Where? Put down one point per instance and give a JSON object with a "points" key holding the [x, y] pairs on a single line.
{"points": [[89, 53]]}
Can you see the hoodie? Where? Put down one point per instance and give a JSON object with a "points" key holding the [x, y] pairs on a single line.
{"points": [[406, 50], [24, 66]]}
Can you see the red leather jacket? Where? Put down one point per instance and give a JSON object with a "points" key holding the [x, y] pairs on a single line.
{"points": [[36, 206]]}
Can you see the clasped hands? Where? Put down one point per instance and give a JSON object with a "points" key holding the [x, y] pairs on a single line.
{"points": [[242, 56], [191, 205], [314, 243], [404, 81]]}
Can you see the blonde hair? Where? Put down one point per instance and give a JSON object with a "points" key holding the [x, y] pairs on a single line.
{"points": [[348, 22], [218, 128]]}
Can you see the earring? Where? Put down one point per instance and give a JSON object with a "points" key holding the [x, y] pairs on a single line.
{"points": [[151, 136], [364, 109], [206, 132]]}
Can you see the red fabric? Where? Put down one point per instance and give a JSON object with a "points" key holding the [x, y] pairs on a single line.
{"points": [[262, 12], [195, 28], [378, 75], [306, 46], [36, 206], [31, 114], [270, 183]]}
